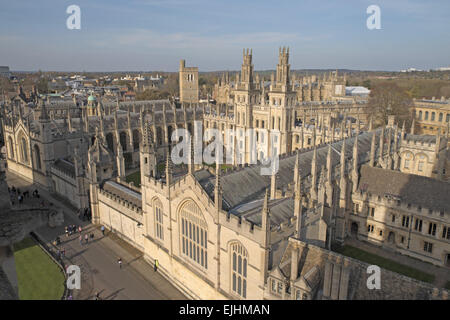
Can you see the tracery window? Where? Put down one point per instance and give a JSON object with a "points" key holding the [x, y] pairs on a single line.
{"points": [[158, 211], [239, 261], [194, 234]]}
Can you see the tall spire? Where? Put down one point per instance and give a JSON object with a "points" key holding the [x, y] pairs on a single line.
{"points": [[314, 172], [372, 150], [273, 185], [298, 201], [120, 159], [297, 168], [329, 164], [381, 144], [191, 158], [217, 187], [355, 165], [343, 158], [413, 124], [265, 219], [168, 168]]}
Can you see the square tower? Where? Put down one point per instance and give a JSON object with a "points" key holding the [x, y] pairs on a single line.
{"points": [[188, 83]]}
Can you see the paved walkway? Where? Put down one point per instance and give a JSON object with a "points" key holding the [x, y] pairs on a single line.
{"points": [[98, 259], [442, 275]]}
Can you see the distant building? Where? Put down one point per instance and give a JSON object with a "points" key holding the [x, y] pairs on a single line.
{"points": [[4, 71], [357, 91]]}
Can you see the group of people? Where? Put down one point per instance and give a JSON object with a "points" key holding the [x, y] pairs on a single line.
{"points": [[71, 229], [17, 194]]}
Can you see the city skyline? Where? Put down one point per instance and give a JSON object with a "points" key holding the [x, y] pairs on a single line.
{"points": [[155, 35]]}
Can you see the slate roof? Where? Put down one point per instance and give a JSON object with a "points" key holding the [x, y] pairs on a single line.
{"points": [[414, 189], [247, 184], [124, 193], [65, 166], [421, 138]]}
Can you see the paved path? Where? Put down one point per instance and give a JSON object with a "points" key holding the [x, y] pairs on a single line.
{"points": [[442, 275], [98, 259]]}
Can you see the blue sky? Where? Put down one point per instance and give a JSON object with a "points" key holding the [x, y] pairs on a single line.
{"points": [[146, 35]]}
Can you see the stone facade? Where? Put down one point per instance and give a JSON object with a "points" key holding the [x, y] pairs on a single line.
{"points": [[188, 83]]}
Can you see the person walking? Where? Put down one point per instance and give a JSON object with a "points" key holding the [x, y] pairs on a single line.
{"points": [[119, 261], [66, 230], [79, 229], [81, 239], [63, 252], [156, 265], [103, 230], [86, 238]]}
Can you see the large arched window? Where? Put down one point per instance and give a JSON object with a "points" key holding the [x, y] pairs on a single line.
{"points": [[136, 139], [194, 234], [408, 158], [11, 148], [158, 211], [422, 159], [239, 262], [24, 150], [37, 157], [110, 141], [123, 140]]}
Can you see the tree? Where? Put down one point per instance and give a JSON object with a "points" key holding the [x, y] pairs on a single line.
{"points": [[152, 95], [386, 99]]}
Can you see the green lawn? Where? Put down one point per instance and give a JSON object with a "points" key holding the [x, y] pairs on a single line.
{"points": [[135, 177], [385, 263], [39, 277]]}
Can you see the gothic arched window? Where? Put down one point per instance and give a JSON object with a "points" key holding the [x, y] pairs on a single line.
{"points": [[158, 211], [239, 262], [194, 234], [24, 150], [123, 140], [11, 148], [37, 157]]}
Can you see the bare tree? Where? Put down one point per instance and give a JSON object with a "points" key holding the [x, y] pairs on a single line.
{"points": [[387, 99]]}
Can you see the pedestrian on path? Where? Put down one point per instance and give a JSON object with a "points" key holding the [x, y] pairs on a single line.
{"points": [[86, 238], [156, 265], [119, 261], [81, 239], [66, 230], [79, 229], [103, 230], [63, 252]]}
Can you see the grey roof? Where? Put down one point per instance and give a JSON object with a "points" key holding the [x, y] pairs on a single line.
{"points": [[123, 192], [421, 138], [65, 166], [247, 184], [413, 189]]}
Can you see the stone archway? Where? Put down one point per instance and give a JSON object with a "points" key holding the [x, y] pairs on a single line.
{"points": [[354, 229]]}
